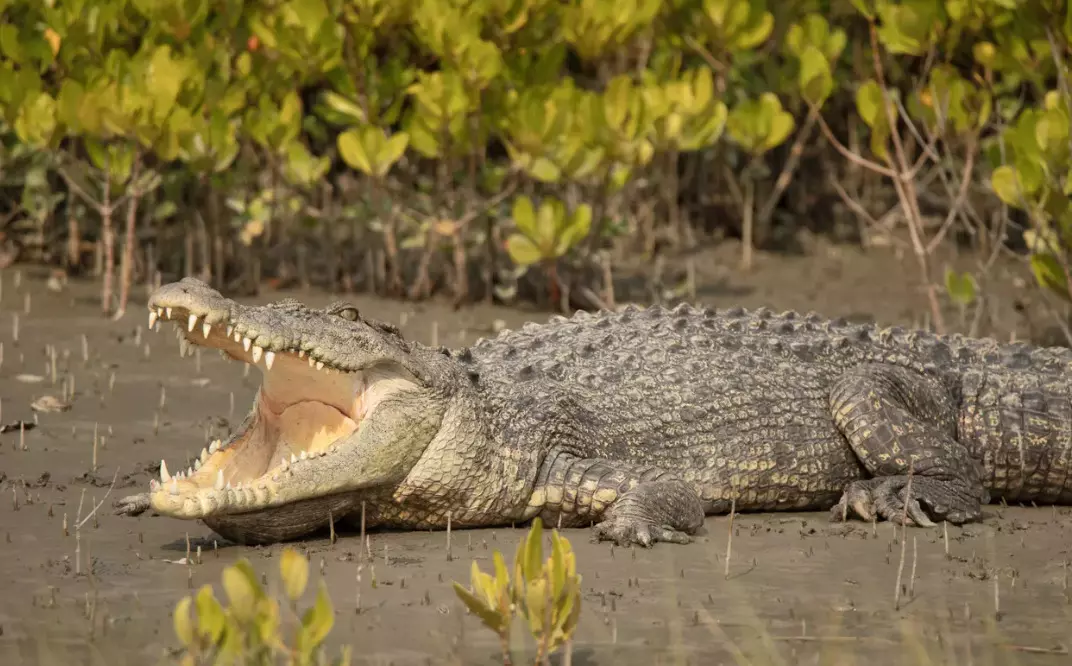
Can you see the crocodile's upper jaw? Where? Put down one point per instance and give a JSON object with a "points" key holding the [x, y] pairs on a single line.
{"points": [[303, 416]]}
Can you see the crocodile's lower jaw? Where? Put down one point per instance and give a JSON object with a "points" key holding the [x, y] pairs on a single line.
{"points": [[302, 413]]}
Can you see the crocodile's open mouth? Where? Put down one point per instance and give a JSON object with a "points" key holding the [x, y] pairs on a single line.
{"points": [[303, 409]]}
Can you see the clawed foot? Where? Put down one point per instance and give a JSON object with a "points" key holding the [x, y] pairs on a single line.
{"points": [[888, 498], [667, 511], [132, 505], [637, 532]]}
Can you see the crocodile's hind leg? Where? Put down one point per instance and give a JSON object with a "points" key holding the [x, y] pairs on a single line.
{"points": [[629, 504], [902, 427]]}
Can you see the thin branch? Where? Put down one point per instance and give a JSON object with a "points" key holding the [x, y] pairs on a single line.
{"points": [[100, 503], [789, 168], [851, 156], [958, 203]]}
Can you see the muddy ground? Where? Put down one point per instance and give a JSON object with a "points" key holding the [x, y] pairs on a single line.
{"points": [[799, 589]]}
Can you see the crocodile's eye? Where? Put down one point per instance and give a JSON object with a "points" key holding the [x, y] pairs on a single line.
{"points": [[347, 312]]}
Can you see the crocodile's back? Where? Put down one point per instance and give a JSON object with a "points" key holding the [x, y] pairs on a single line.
{"points": [[810, 338], [733, 413]]}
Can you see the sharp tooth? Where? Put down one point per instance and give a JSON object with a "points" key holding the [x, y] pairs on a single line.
{"points": [[164, 476], [204, 454], [152, 318], [154, 485], [246, 342], [293, 458], [174, 487], [192, 323], [167, 313], [206, 328], [304, 455], [312, 362], [301, 353], [237, 337], [229, 486], [214, 446], [219, 480], [197, 464], [269, 359], [257, 351], [230, 330], [319, 365], [286, 462]]}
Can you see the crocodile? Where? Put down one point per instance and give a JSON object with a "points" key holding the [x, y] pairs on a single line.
{"points": [[636, 423]]}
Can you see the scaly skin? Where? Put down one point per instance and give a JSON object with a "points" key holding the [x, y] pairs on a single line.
{"points": [[639, 423]]}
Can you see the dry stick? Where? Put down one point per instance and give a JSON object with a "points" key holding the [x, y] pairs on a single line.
{"points": [[79, 522], [729, 538], [904, 527], [371, 561], [450, 558], [912, 576]]}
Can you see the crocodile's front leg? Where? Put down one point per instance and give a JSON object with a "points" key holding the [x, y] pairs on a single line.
{"points": [[629, 504], [898, 421]]}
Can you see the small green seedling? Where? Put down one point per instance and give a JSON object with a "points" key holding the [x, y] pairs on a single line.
{"points": [[250, 630], [546, 593]]}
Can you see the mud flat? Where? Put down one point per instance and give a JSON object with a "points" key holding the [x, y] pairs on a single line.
{"points": [[800, 590]]}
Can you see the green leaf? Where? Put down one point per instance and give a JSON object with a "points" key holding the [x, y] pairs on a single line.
{"points": [[524, 216], [210, 617], [548, 218], [69, 104], [1049, 274], [533, 552], [960, 287], [9, 42], [318, 620], [164, 79], [243, 590], [816, 81], [353, 152], [390, 152], [870, 104], [344, 106], [580, 223], [1007, 186], [1051, 132], [522, 251], [184, 629], [489, 616], [294, 570], [36, 120]]}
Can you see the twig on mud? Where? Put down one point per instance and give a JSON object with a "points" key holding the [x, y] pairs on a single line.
{"points": [[1031, 649], [79, 521], [912, 576], [904, 528], [450, 557], [98, 505], [729, 538]]}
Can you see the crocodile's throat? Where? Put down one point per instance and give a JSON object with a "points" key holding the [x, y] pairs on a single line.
{"points": [[305, 408]]}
